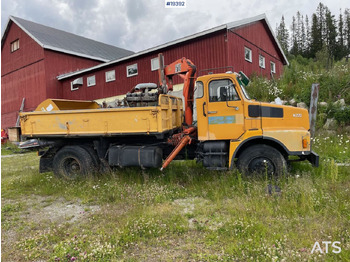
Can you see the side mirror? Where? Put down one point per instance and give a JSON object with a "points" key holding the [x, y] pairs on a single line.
{"points": [[244, 78]]}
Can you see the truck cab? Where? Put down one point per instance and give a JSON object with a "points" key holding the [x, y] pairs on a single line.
{"points": [[253, 135]]}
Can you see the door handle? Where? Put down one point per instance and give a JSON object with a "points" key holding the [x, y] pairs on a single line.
{"points": [[235, 107], [212, 112], [204, 114]]}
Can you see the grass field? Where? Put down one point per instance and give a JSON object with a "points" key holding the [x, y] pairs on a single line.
{"points": [[186, 213]]}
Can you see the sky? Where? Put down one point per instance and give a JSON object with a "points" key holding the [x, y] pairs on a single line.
{"points": [[140, 24]]}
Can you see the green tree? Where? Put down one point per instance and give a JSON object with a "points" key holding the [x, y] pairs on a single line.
{"points": [[330, 36], [307, 37], [340, 51], [321, 17], [283, 35], [295, 48], [302, 36], [316, 36], [347, 30]]}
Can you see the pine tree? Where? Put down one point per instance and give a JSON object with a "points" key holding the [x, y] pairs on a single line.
{"points": [[294, 49], [308, 37], [341, 48], [347, 30], [331, 34], [283, 35], [320, 12], [302, 37], [316, 36]]}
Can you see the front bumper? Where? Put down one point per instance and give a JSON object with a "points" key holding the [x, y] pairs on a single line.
{"points": [[313, 158]]}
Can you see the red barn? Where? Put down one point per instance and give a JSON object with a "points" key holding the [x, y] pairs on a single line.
{"points": [[33, 55], [248, 45]]}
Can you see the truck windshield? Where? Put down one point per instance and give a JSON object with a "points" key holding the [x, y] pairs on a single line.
{"points": [[245, 92], [243, 89]]}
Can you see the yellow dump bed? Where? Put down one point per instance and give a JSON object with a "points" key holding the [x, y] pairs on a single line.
{"points": [[55, 117]]}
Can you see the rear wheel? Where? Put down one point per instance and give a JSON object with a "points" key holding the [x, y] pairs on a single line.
{"points": [[93, 155], [262, 160], [72, 162]]}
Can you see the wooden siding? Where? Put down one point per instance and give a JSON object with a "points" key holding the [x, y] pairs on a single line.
{"points": [[30, 72], [28, 53], [59, 63], [256, 37], [205, 52], [22, 75], [28, 82]]}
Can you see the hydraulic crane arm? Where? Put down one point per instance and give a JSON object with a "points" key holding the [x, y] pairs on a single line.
{"points": [[186, 70]]}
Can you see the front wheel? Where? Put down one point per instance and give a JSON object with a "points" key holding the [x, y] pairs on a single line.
{"points": [[262, 160], [72, 162]]}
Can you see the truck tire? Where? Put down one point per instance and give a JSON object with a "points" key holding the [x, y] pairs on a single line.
{"points": [[262, 160], [72, 162], [93, 154]]}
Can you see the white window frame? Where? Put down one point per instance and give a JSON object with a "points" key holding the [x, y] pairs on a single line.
{"points": [[154, 68], [91, 80], [262, 61], [110, 76], [273, 67], [78, 82], [14, 45], [133, 66], [250, 58]]}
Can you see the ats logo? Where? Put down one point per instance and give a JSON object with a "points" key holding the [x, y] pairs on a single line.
{"points": [[335, 247]]}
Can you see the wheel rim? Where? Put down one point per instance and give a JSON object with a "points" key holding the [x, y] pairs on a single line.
{"points": [[261, 165], [72, 168]]}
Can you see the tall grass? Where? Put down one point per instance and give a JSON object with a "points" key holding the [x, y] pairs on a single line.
{"points": [[185, 213]]}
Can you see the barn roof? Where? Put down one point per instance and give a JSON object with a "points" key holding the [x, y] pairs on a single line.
{"points": [[61, 41], [228, 26]]}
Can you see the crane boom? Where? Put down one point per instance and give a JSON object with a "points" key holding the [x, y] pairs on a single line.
{"points": [[184, 68]]}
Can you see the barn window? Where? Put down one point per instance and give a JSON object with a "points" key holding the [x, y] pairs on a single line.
{"points": [[110, 76], [273, 67], [261, 61], [248, 54], [131, 70], [75, 84], [91, 81], [15, 45], [155, 63]]}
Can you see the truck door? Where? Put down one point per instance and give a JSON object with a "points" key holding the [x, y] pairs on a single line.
{"points": [[225, 118]]}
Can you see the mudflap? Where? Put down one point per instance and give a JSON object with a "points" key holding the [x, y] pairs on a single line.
{"points": [[46, 164], [313, 158]]}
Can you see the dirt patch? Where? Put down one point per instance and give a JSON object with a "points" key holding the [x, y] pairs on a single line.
{"points": [[45, 209], [40, 212], [188, 205]]}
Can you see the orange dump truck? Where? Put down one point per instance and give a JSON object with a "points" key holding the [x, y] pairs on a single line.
{"points": [[218, 124]]}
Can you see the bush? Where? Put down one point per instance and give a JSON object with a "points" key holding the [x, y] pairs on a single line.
{"points": [[342, 115], [298, 78]]}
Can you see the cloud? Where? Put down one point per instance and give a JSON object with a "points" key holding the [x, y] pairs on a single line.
{"points": [[141, 24]]}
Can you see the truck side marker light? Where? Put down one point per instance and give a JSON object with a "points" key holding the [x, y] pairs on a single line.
{"points": [[305, 143]]}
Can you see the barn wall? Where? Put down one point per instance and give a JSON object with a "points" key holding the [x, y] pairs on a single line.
{"points": [[205, 52], [29, 51], [256, 37], [22, 75], [30, 72], [29, 83], [59, 63]]}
